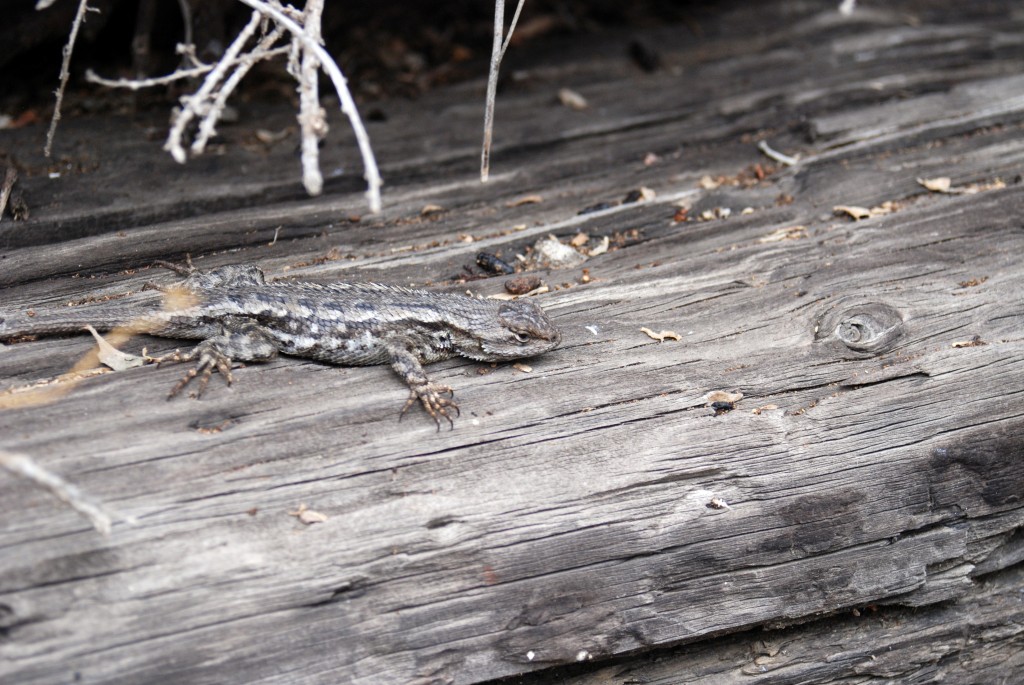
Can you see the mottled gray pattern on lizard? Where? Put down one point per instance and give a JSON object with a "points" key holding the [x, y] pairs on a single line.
{"points": [[238, 316]]}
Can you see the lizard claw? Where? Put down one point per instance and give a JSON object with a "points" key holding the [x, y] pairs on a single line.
{"points": [[433, 400], [210, 359]]}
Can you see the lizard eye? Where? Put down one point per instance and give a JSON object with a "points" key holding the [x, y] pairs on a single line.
{"points": [[522, 337]]}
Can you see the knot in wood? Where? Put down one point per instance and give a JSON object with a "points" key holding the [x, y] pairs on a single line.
{"points": [[868, 327]]}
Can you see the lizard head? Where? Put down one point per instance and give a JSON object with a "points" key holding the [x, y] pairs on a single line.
{"points": [[523, 330]]}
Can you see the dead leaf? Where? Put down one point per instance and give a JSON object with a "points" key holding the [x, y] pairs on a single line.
{"points": [[113, 357], [662, 336]]}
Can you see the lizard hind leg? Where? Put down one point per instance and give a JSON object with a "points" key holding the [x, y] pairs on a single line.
{"points": [[239, 340]]}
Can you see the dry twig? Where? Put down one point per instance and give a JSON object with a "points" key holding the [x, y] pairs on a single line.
{"points": [[498, 47], [65, 72], [10, 177]]}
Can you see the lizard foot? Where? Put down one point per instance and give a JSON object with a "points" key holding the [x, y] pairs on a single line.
{"points": [[434, 401], [210, 359]]}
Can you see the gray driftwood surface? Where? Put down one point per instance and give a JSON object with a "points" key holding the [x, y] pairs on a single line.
{"points": [[866, 523]]}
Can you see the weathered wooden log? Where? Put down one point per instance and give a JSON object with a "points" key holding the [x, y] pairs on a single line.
{"points": [[595, 507]]}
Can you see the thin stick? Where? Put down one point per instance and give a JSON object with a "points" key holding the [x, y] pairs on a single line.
{"points": [[65, 72], [98, 515], [312, 117], [498, 48], [137, 84], [244, 64], [348, 105], [5, 190], [193, 105]]}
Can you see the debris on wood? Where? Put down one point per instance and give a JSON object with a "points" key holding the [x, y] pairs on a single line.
{"points": [[98, 514], [788, 233], [716, 213], [494, 264], [571, 99], [973, 282], [708, 183], [661, 336], [111, 356], [579, 240], [777, 156], [644, 56], [525, 368], [682, 215], [597, 207], [525, 200], [942, 184], [757, 411], [601, 247], [308, 516], [858, 213], [641, 194], [722, 396], [431, 209], [522, 285], [718, 503], [551, 252], [976, 341], [10, 176], [651, 158]]}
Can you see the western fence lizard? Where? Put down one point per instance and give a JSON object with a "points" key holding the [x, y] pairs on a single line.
{"points": [[238, 316]]}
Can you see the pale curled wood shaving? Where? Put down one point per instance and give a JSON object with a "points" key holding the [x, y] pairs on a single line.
{"points": [[662, 336]]}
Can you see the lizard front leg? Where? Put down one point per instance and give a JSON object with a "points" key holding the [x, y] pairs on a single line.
{"points": [[240, 340], [431, 395]]}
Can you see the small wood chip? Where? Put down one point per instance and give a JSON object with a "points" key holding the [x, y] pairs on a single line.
{"points": [[525, 368], [941, 184], [431, 209], [662, 336], [579, 240], [572, 99], [768, 407], [854, 211], [308, 516], [976, 341], [723, 396], [718, 503], [601, 248], [789, 233], [525, 200]]}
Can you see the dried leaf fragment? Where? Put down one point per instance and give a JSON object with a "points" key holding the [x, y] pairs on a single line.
{"points": [[308, 516], [431, 209], [525, 368], [113, 357], [579, 240], [661, 336]]}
